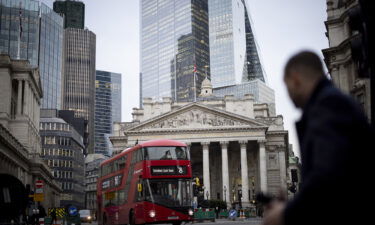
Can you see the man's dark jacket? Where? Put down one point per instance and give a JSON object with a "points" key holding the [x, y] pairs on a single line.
{"points": [[336, 152]]}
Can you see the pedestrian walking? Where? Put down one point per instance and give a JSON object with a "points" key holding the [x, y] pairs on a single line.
{"points": [[53, 215], [336, 146]]}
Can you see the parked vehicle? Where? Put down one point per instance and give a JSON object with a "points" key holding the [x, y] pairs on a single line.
{"points": [[85, 215]]}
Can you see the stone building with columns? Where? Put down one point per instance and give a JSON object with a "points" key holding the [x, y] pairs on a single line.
{"points": [[338, 57], [234, 143], [20, 147]]}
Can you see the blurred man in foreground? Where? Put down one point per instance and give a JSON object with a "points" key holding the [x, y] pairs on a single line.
{"points": [[336, 152]]}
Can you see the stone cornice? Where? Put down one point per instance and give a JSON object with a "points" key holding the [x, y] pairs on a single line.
{"points": [[197, 130], [277, 132], [8, 139]]}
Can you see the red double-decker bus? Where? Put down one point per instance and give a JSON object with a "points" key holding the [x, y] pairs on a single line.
{"points": [[148, 183]]}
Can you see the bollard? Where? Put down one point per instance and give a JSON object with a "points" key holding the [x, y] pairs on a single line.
{"points": [[41, 221]]}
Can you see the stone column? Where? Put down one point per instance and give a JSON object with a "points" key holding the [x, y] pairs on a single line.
{"points": [[225, 172], [25, 97], [206, 170], [19, 98], [262, 166], [244, 174], [282, 163]]}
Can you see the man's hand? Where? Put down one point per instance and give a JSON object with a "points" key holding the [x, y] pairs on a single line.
{"points": [[274, 213]]}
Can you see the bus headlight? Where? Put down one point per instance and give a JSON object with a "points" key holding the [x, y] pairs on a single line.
{"points": [[152, 213], [191, 212]]}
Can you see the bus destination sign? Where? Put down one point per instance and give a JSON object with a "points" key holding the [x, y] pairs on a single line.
{"points": [[168, 170]]}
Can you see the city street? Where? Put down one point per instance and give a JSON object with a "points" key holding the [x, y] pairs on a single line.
{"points": [[252, 221]]}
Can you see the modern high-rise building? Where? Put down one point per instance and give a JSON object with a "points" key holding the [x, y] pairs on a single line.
{"points": [[79, 65], [32, 31], [233, 52], [107, 108], [74, 12], [174, 44], [51, 56], [79, 77], [261, 92]]}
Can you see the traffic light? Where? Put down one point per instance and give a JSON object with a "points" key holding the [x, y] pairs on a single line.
{"points": [[360, 23]]}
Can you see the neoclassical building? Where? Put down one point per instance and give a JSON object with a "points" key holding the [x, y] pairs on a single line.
{"points": [[234, 143], [20, 147], [338, 57]]}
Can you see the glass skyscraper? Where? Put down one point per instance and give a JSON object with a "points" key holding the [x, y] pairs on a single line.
{"points": [[32, 31], [174, 41], [233, 53], [51, 56], [107, 108], [261, 92]]}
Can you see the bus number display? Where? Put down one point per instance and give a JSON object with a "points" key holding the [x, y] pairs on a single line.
{"points": [[168, 170]]}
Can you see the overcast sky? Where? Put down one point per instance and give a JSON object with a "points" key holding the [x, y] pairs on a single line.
{"points": [[282, 28]]}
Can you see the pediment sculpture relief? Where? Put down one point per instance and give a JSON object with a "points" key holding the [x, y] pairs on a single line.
{"points": [[195, 118]]}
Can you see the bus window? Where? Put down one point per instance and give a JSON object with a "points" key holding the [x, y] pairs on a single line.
{"points": [[169, 192], [166, 153]]}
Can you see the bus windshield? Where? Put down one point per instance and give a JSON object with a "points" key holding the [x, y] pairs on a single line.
{"points": [[171, 193], [166, 153]]}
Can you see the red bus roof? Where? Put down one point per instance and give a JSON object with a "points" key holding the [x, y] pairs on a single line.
{"points": [[164, 142], [153, 143]]}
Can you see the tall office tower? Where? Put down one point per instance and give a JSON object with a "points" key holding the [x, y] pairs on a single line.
{"points": [[79, 65], [233, 53], [79, 77], [51, 56], [107, 109], [32, 31], [174, 41], [74, 12], [262, 93]]}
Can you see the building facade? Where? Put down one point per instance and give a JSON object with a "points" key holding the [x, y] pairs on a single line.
{"points": [[92, 163], [338, 57], [79, 77], [74, 12], [107, 108], [262, 93], [235, 145], [174, 44], [51, 56], [62, 150], [233, 51], [33, 31], [20, 145]]}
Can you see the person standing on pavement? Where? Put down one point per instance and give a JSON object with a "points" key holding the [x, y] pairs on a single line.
{"points": [[336, 146]]}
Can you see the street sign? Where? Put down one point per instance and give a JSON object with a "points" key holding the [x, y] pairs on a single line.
{"points": [[39, 190], [72, 210], [38, 197], [39, 184]]}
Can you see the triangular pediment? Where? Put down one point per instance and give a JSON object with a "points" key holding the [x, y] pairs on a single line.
{"points": [[197, 116]]}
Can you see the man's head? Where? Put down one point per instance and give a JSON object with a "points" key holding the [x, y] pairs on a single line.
{"points": [[302, 73]]}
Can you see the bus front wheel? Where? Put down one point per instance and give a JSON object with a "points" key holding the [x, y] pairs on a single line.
{"points": [[177, 223]]}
